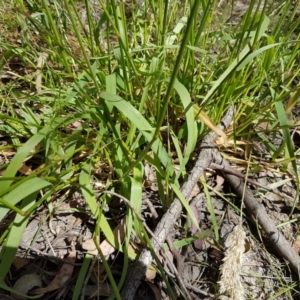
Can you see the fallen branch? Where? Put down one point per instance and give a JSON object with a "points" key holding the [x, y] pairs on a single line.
{"points": [[223, 169], [259, 213], [137, 272]]}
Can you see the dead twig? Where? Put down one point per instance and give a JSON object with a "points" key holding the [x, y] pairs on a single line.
{"points": [[223, 169], [87, 278], [179, 259], [180, 267], [137, 273], [259, 213]]}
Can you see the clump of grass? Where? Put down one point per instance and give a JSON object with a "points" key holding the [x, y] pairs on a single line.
{"points": [[140, 90], [8, 22]]}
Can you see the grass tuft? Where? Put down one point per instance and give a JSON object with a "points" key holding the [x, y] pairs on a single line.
{"points": [[94, 94]]}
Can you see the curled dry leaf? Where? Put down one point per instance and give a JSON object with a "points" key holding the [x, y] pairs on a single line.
{"points": [[150, 274], [20, 262], [89, 245], [155, 290], [25, 284]]}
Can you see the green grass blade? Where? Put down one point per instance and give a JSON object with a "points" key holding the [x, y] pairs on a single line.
{"points": [[289, 147], [185, 204], [136, 194], [190, 119], [81, 276], [17, 194], [21, 155], [210, 208], [14, 237], [254, 54], [87, 190], [142, 124]]}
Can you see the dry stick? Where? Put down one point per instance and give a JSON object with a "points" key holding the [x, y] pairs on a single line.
{"points": [[180, 267], [87, 278], [231, 171], [259, 213], [164, 227], [172, 249]]}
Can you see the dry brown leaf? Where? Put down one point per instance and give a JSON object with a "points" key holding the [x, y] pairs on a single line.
{"points": [[202, 116], [62, 277], [105, 246], [195, 191], [150, 177], [155, 290], [7, 153], [20, 262], [296, 245], [219, 182], [24, 170], [89, 245], [150, 274]]}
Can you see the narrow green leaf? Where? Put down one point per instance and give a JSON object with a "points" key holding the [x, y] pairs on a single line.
{"points": [[14, 237], [236, 62], [81, 276], [87, 190], [25, 189], [136, 193], [142, 124], [255, 53], [21, 155], [211, 210], [185, 204], [190, 119]]}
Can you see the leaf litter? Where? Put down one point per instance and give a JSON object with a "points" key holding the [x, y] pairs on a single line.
{"points": [[58, 247]]}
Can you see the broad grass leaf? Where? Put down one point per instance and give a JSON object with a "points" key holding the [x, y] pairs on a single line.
{"points": [[176, 143], [21, 191], [89, 196], [190, 119], [111, 87], [255, 53], [14, 237], [21, 155], [269, 55], [136, 194], [68, 161]]}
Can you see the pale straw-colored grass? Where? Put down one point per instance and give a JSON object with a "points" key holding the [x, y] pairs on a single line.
{"points": [[230, 283]]}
